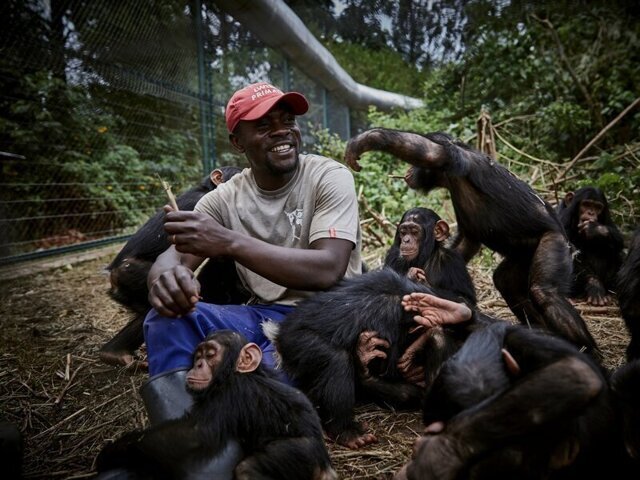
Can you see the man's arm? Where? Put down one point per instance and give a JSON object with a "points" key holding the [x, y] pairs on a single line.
{"points": [[316, 268], [173, 288]]}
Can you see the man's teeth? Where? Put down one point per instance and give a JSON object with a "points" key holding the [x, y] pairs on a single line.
{"points": [[281, 148]]}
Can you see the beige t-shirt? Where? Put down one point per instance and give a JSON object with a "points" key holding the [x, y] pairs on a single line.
{"points": [[318, 202]]}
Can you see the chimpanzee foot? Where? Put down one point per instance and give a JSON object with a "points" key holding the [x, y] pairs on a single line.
{"points": [[358, 441], [354, 438], [598, 300], [122, 359]]}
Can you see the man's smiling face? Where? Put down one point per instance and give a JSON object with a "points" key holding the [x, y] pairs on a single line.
{"points": [[271, 143]]}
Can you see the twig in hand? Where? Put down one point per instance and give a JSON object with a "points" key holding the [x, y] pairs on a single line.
{"points": [[172, 199]]}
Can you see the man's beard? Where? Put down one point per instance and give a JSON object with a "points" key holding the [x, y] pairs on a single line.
{"points": [[283, 168]]}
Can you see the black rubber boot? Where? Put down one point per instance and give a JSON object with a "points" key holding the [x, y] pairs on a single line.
{"points": [[165, 397]]}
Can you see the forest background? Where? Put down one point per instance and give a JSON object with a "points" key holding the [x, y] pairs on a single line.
{"points": [[560, 82], [553, 76]]}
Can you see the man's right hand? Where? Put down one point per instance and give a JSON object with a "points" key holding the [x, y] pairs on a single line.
{"points": [[175, 292]]}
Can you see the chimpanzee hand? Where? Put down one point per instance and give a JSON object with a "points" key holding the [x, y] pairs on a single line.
{"points": [[196, 233], [590, 230], [417, 275], [433, 311], [411, 372], [368, 348], [175, 292]]}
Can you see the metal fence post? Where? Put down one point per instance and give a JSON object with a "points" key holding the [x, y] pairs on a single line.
{"points": [[204, 94]]}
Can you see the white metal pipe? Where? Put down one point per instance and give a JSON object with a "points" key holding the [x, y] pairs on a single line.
{"points": [[281, 29]]}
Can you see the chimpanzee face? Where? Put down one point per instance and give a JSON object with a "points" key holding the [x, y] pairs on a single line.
{"points": [[590, 210], [221, 354], [206, 359], [411, 236]]}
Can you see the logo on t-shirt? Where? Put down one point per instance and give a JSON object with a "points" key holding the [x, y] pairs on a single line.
{"points": [[295, 219]]}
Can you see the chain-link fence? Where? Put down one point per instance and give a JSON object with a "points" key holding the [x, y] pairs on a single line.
{"points": [[100, 99]]}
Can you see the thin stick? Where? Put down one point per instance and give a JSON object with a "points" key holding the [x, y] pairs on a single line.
{"points": [[58, 424], [172, 199], [67, 369], [395, 176], [68, 385]]}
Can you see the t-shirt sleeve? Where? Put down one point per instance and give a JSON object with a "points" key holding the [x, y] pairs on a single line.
{"points": [[336, 208], [210, 204]]}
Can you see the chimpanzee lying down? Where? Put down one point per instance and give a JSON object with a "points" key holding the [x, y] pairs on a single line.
{"points": [[318, 344], [515, 403], [235, 400]]}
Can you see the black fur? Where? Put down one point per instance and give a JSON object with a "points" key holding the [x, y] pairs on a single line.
{"points": [[597, 257], [318, 340], [276, 426], [129, 270], [495, 208], [629, 295], [445, 268], [519, 439]]}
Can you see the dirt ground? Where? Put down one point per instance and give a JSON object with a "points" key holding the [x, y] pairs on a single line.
{"points": [[68, 404]]}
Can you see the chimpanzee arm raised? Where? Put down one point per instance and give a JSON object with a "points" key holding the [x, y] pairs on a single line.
{"points": [[410, 147]]}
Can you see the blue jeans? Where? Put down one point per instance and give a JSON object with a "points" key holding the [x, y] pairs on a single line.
{"points": [[172, 341]]}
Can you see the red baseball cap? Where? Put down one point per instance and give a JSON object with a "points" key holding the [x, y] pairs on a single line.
{"points": [[255, 100]]}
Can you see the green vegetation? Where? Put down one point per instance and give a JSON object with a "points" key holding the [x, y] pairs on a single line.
{"points": [[552, 77], [97, 98]]}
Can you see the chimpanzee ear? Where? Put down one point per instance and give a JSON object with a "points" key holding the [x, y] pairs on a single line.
{"points": [[568, 197], [216, 176], [249, 358], [441, 231]]}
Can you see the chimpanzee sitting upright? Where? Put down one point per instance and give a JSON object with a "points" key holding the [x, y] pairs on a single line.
{"points": [[319, 343], [418, 251], [495, 208], [629, 295], [129, 270], [518, 403], [235, 399], [598, 241]]}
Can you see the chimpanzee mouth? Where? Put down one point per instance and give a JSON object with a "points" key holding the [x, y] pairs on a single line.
{"points": [[408, 254], [197, 384]]}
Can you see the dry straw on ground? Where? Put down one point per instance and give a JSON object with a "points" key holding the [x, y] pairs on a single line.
{"points": [[68, 404]]}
